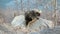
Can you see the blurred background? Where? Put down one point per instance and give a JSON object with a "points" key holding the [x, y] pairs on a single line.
{"points": [[11, 8]]}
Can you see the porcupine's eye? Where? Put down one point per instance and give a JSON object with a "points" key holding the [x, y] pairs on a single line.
{"points": [[37, 13]]}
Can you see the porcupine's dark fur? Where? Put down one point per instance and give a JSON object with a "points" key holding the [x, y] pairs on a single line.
{"points": [[30, 15]]}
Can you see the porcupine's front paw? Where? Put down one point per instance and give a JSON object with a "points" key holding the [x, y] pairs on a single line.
{"points": [[32, 22]]}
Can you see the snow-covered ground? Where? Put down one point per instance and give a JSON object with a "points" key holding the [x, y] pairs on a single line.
{"points": [[19, 21], [55, 30], [7, 29]]}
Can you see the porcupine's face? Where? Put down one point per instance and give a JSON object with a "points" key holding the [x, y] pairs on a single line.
{"points": [[30, 15]]}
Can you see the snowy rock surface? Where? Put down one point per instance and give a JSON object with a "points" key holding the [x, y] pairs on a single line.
{"points": [[19, 21], [41, 24]]}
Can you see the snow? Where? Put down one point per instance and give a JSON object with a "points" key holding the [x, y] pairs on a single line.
{"points": [[55, 30], [41, 24], [19, 21]]}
